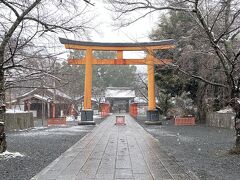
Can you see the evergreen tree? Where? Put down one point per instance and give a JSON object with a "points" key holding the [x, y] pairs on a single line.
{"points": [[188, 56]]}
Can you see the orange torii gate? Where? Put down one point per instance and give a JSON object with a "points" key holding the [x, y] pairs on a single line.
{"points": [[89, 60]]}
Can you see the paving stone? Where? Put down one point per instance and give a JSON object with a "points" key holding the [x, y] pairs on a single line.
{"points": [[142, 176], [139, 166], [97, 155], [106, 170], [83, 175], [105, 176], [123, 174], [91, 166], [66, 177], [123, 162], [49, 175], [159, 173]]}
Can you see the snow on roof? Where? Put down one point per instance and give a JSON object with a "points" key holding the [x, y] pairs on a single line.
{"points": [[119, 92], [36, 93], [29, 92], [59, 93], [140, 100], [82, 97], [44, 98], [78, 98], [12, 101]]}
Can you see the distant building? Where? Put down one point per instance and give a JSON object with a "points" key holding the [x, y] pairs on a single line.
{"points": [[43, 102], [119, 98]]}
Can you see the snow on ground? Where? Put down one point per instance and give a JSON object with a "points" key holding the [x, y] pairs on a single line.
{"points": [[70, 118], [62, 130], [226, 110], [39, 128], [179, 137], [8, 155], [11, 111], [97, 116]]}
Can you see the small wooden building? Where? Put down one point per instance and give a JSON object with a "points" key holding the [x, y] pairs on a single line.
{"points": [[44, 103]]}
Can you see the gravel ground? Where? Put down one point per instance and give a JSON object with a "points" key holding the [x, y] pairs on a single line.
{"points": [[36, 148], [201, 149]]}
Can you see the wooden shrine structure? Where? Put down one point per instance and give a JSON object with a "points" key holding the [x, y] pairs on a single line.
{"points": [[89, 60]]}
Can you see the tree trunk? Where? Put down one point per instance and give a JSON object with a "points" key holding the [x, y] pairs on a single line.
{"points": [[237, 128], [201, 105], [2, 89]]}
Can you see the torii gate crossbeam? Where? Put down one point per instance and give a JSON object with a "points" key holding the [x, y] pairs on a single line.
{"points": [[89, 60]]}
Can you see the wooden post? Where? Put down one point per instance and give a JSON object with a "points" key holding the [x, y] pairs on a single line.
{"points": [[151, 83], [88, 80], [53, 110], [119, 59]]}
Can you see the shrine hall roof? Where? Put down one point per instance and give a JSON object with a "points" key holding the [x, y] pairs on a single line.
{"points": [[119, 92], [107, 44]]}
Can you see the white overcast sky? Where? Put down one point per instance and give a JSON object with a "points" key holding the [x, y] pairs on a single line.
{"points": [[106, 32], [137, 32]]}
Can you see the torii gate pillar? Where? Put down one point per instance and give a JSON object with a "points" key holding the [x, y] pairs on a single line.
{"points": [[89, 61], [152, 112], [87, 112]]}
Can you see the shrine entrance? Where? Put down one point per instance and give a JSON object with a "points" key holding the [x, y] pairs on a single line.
{"points": [[150, 48]]}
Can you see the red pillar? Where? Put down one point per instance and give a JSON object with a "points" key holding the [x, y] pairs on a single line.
{"points": [[53, 110]]}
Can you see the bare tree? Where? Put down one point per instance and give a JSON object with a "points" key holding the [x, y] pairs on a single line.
{"points": [[220, 22], [25, 25]]}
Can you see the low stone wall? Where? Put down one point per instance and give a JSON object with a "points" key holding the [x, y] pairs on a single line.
{"points": [[224, 120], [18, 121]]}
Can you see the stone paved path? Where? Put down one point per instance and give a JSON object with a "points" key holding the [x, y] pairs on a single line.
{"points": [[115, 152]]}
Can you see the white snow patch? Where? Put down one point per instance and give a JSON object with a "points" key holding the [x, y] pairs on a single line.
{"points": [[8, 155], [140, 100], [226, 110], [70, 118], [12, 111], [117, 92], [178, 136], [45, 98], [96, 116], [73, 130], [164, 133], [59, 93], [38, 128]]}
